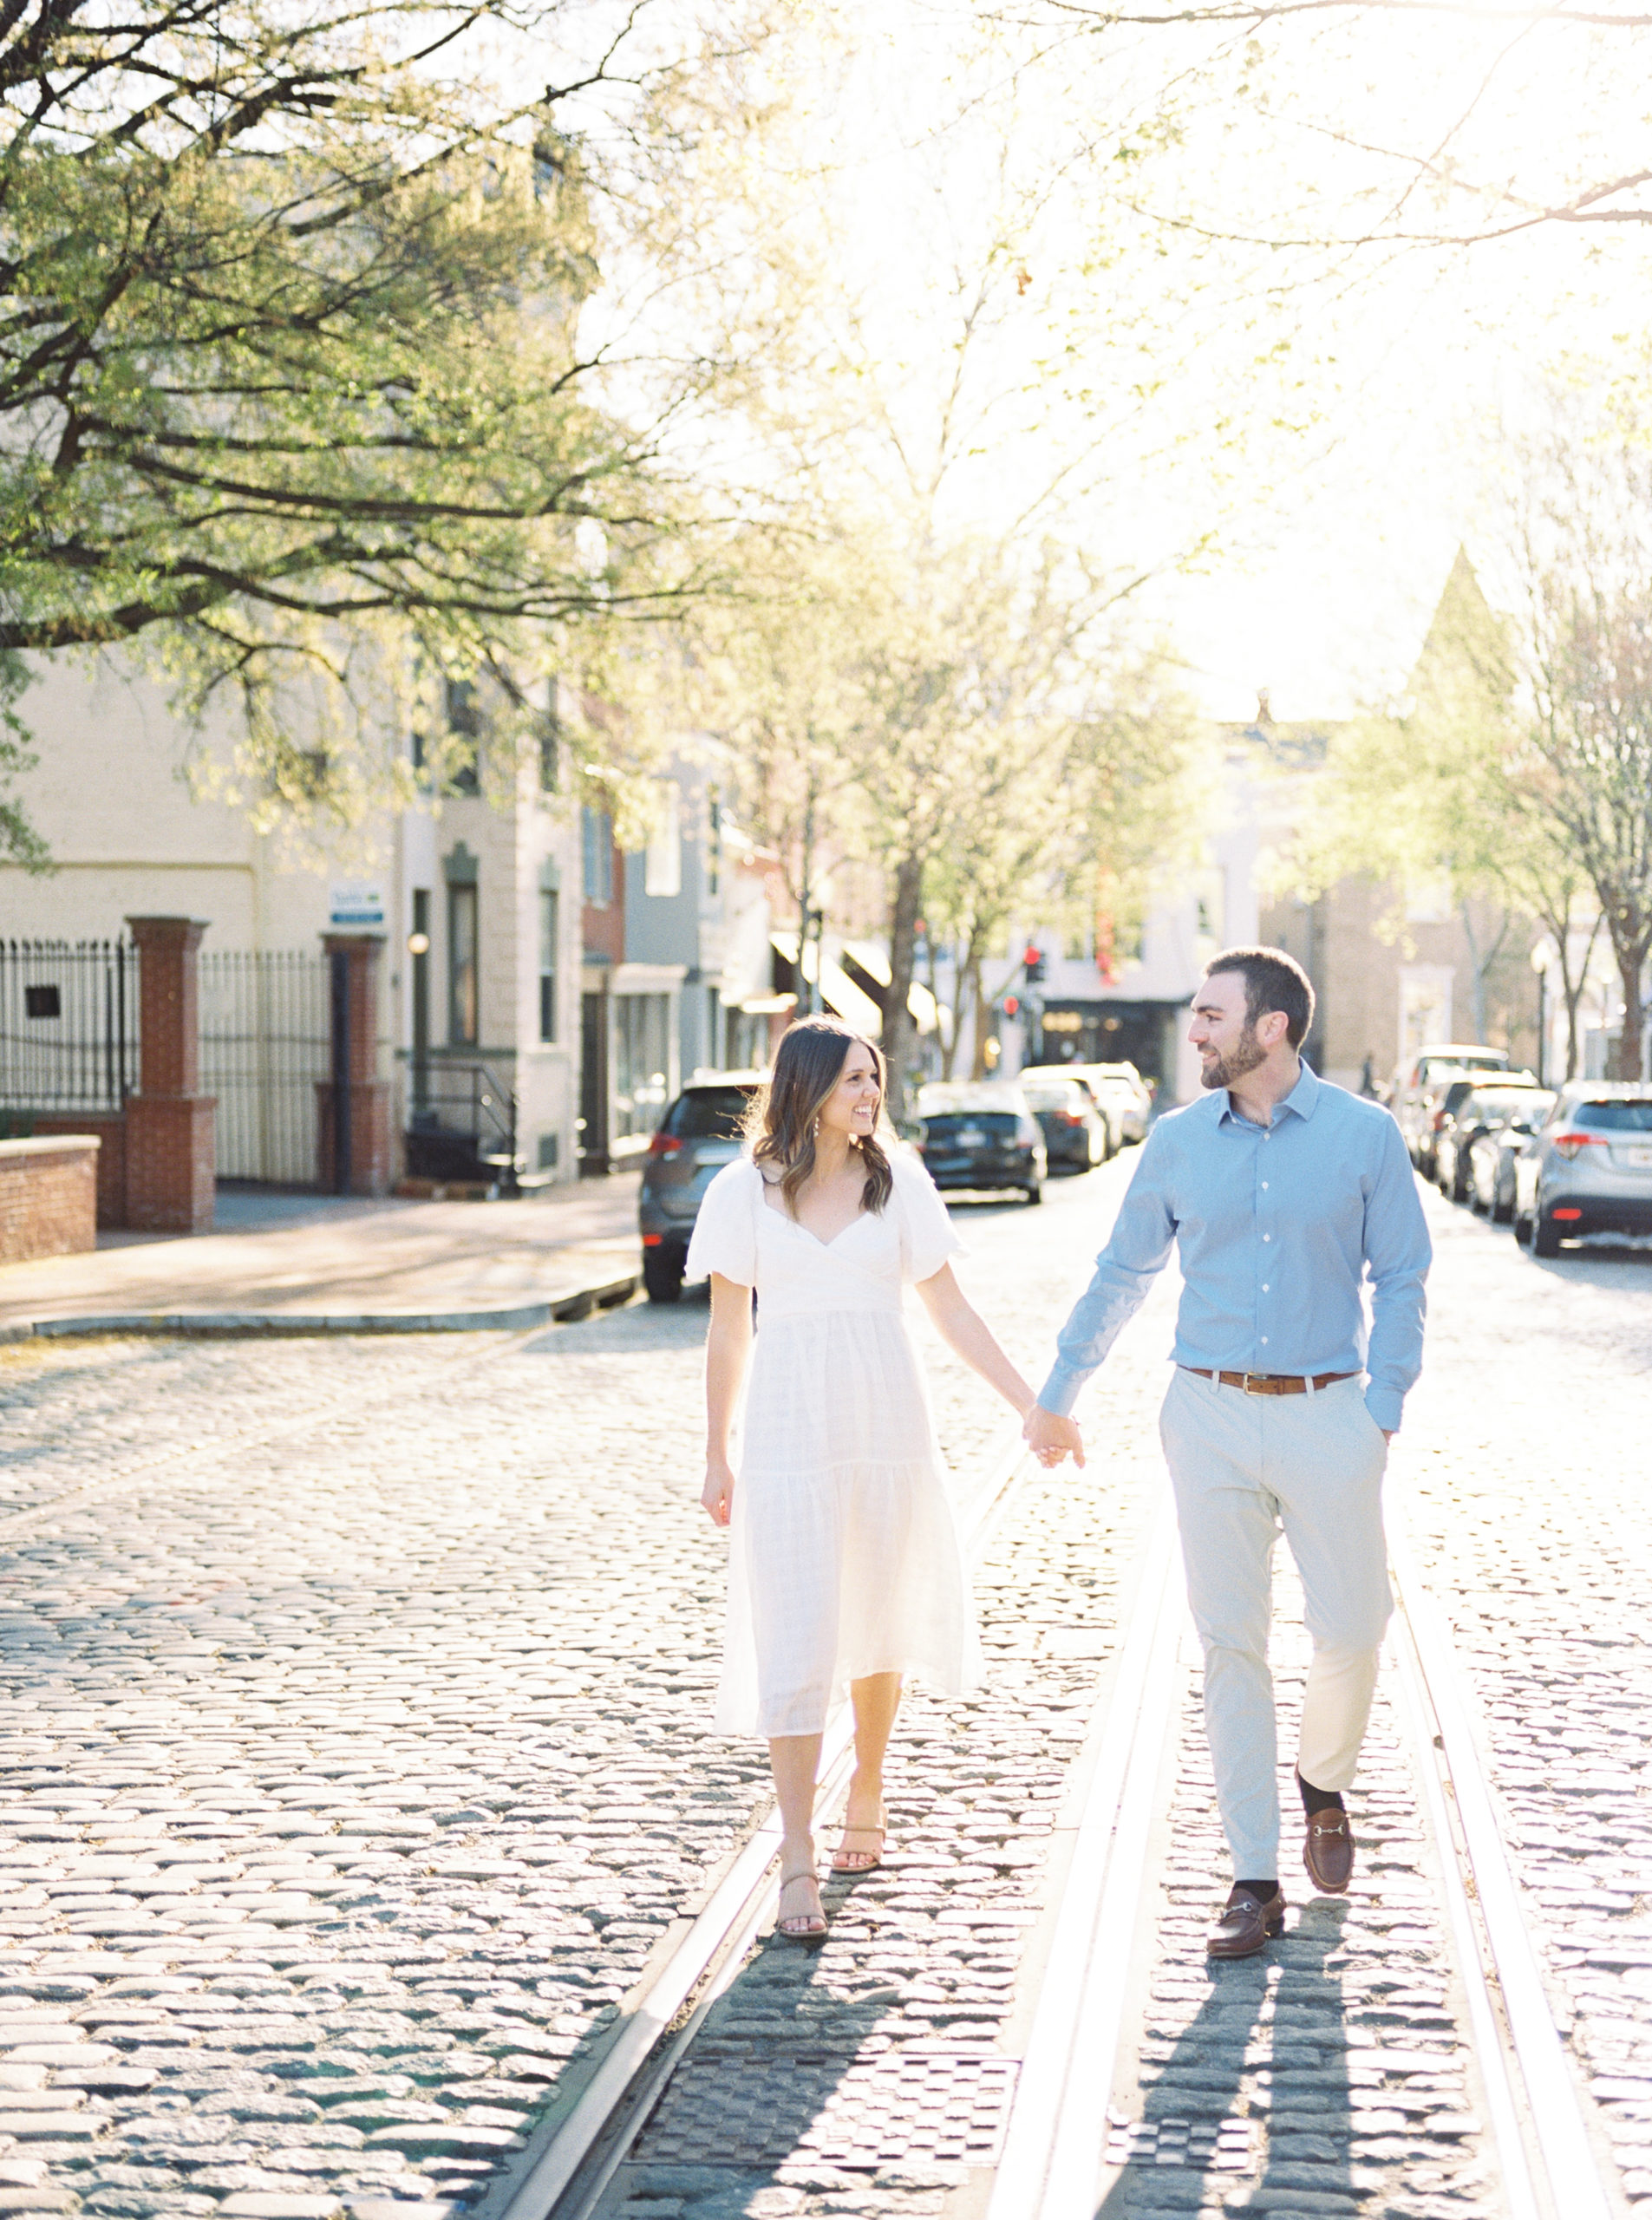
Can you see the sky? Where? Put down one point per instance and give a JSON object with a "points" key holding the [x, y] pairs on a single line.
{"points": [[1182, 358]]}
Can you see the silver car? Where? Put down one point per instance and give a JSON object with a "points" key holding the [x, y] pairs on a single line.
{"points": [[1588, 1169]]}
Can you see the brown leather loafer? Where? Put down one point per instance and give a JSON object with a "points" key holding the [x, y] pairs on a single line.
{"points": [[1246, 1926], [1329, 1853]]}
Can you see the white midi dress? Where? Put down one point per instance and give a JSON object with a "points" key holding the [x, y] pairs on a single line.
{"points": [[843, 1551]]}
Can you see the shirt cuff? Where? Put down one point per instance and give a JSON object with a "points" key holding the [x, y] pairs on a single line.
{"points": [[1061, 1391], [1385, 1405]]}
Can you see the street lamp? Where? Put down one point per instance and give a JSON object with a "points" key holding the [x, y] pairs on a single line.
{"points": [[1542, 955]]}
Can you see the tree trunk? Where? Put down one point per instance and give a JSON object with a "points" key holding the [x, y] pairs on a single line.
{"points": [[903, 942], [961, 986], [1631, 961]]}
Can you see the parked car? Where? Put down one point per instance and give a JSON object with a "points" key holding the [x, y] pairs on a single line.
{"points": [[1493, 1149], [1467, 1109], [1076, 1134], [981, 1136], [1419, 1084], [1126, 1085], [1109, 1106], [697, 1136], [1589, 1168]]}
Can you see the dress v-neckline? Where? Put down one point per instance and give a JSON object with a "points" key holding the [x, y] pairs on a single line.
{"points": [[780, 1211], [785, 1219]]}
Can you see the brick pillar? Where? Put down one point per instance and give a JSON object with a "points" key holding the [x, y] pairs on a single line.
{"points": [[171, 1155], [371, 1170]]}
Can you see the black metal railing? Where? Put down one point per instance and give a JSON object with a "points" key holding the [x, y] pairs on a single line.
{"points": [[461, 1118], [69, 1024], [266, 1039]]}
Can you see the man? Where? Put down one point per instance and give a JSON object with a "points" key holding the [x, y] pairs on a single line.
{"points": [[1280, 1193]]}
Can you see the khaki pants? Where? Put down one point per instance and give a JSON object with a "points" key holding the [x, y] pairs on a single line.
{"points": [[1243, 1467]]}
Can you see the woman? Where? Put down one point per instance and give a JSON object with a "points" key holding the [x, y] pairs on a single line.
{"points": [[844, 1563]]}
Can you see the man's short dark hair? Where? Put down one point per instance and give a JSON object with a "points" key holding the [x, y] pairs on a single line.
{"points": [[1272, 980]]}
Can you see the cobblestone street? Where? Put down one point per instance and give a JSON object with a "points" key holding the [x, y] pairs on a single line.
{"points": [[354, 1722]]}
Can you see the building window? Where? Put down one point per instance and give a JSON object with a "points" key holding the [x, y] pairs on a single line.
{"points": [[642, 1062], [547, 963], [596, 853], [464, 723], [663, 861], [461, 966]]}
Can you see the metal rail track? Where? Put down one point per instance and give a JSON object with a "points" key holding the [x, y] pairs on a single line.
{"points": [[1052, 2167], [564, 2172]]}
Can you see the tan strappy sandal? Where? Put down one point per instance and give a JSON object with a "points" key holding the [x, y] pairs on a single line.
{"points": [[848, 1860], [808, 1929]]}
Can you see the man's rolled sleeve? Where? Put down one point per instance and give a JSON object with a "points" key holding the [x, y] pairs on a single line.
{"points": [[1125, 1270], [1398, 1254]]}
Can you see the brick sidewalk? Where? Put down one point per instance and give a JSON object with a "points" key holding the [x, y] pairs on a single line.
{"points": [[285, 1259]]}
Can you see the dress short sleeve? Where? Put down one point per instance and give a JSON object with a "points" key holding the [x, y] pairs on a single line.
{"points": [[725, 1233], [929, 1236]]}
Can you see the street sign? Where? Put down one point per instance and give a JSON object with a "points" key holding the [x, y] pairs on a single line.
{"points": [[357, 906]]}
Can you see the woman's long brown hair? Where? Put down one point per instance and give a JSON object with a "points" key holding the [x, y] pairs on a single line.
{"points": [[781, 1124]]}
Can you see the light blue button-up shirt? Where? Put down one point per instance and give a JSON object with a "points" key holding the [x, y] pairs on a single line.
{"points": [[1278, 1226]]}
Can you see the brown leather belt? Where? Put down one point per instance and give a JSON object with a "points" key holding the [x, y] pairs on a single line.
{"points": [[1271, 1383]]}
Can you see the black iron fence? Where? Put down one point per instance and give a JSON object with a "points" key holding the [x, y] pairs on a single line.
{"points": [[69, 1024], [266, 1038]]}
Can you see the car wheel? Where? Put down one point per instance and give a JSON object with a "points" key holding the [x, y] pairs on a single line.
{"points": [[662, 1275]]}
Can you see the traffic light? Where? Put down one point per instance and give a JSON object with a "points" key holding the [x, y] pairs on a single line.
{"points": [[1033, 963]]}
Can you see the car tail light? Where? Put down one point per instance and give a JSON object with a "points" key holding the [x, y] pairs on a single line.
{"points": [[665, 1145], [1570, 1145]]}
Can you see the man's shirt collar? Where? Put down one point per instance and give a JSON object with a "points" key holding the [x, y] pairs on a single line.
{"points": [[1302, 1099]]}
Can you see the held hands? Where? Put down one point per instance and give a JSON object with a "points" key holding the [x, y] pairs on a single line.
{"points": [[1052, 1438], [718, 1493]]}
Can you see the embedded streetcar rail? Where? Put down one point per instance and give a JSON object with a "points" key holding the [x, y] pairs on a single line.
{"points": [[1053, 2166], [563, 2174], [1550, 2159]]}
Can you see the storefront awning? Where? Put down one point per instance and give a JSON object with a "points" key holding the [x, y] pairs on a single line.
{"points": [[926, 1014], [838, 990]]}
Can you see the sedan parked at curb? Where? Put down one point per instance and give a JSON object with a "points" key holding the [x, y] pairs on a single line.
{"points": [[1492, 1151], [981, 1136], [1075, 1132], [1108, 1103], [697, 1136], [1419, 1084], [1472, 1106], [1589, 1170]]}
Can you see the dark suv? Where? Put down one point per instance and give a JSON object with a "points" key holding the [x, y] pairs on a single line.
{"points": [[698, 1135]]}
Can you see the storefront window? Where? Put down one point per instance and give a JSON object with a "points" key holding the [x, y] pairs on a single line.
{"points": [[642, 1062]]}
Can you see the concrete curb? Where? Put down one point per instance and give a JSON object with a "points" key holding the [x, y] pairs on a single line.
{"points": [[222, 1325]]}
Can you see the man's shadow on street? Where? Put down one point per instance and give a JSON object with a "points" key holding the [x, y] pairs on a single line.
{"points": [[1308, 2122]]}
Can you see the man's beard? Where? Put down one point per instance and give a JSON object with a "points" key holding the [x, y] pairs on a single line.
{"points": [[1245, 1054]]}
